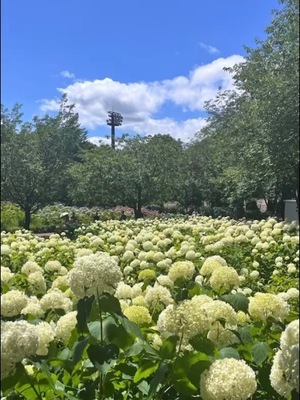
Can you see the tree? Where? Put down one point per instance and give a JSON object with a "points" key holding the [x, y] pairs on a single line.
{"points": [[255, 128], [23, 177], [35, 157], [140, 171]]}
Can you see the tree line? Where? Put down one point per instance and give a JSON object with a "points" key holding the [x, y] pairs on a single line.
{"points": [[248, 150]]}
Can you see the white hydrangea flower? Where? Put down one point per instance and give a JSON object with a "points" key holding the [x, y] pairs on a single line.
{"points": [[31, 266], [136, 290], [6, 275], [65, 325], [264, 305], [52, 266], [254, 274], [157, 295], [181, 270], [292, 293], [138, 314], [37, 281], [212, 263], [33, 307], [187, 319], [224, 278], [284, 375], [46, 335], [164, 280], [94, 274], [5, 250], [123, 291], [83, 252], [19, 339], [228, 379], [56, 299], [12, 303]]}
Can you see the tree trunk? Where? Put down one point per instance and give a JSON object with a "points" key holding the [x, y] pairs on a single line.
{"points": [[297, 186], [138, 208], [27, 212]]}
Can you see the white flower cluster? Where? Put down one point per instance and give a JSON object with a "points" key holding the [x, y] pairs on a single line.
{"points": [[284, 374], [264, 305], [65, 325], [95, 273], [12, 303], [201, 314], [212, 263], [225, 278], [56, 299], [228, 379], [18, 340], [181, 270], [158, 295]]}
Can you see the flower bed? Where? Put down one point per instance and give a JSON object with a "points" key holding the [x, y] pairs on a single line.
{"points": [[193, 308]]}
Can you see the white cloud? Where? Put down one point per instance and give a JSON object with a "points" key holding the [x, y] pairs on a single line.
{"points": [[210, 49], [138, 102], [67, 74], [97, 140]]}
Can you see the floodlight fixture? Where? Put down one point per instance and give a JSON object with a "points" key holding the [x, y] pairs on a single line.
{"points": [[115, 119]]}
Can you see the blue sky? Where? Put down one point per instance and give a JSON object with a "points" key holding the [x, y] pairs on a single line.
{"points": [[156, 62]]}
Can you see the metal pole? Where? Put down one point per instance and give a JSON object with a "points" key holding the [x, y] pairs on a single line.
{"points": [[112, 136]]}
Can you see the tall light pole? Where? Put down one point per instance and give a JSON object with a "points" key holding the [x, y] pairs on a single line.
{"points": [[115, 119]]}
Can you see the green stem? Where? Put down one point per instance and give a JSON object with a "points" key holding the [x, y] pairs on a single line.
{"points": [[101, 341], [39, 397]]}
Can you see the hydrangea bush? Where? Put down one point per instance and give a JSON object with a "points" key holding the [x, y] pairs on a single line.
{"points": [[184, 308]]}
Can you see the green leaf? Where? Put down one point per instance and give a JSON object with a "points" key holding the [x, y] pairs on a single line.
{"points": [[102, 353], [109, 303], [79, 348], [130, 327], [8, 384], [238, 301], [203, 344], [168, 348], [245, 334], [196, 370], [185, 387], [84, 307], [135, 349], [229, 352], [145, 370], [158, 377], [260, 352]]}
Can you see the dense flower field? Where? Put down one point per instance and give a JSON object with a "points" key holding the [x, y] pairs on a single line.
{"points": [[186, 308]]}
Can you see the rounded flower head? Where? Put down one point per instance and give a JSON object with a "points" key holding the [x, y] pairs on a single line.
{"points": [[18, 340], [53, 266], [290, 336], [264, 305], [147, 275], [6, 275], [228, 379], [46, 334], [212, 263], [187, 319], [225, 278], [123, 291], [181, 270], [94, 274], [31, 266], [12, 303], [65, 325], [156, 295], [56, 299], [138, 314], [33, 308], [284, 375]]}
